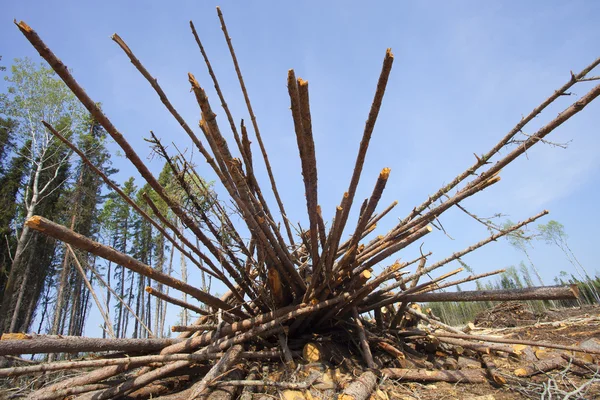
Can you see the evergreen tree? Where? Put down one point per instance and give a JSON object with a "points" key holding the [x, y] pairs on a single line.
{"points": [[86, 196], [34, 95]]}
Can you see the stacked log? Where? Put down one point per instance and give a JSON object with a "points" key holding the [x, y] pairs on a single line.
{"points": [[286, 294]]}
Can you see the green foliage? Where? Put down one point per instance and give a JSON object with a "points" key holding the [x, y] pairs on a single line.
{"points": [[553, 232], [35, 94]]}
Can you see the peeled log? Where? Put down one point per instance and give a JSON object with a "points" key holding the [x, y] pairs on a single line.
{"points": [[534, 293], [361, 388], [424, 375]]}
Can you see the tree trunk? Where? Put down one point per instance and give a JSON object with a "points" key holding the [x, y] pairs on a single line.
{"points": [[16, 266], [16, 312], [64, 274]]}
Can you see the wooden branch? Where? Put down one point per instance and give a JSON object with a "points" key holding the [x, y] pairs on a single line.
{"points": [[540, 366], [371, 225], [298, 92], [74, 344], [592, 368], [364, 219], [394, 248], [193, 328], [68, 392], [495, 339], [120, 299], [422, 375], [364, 144], [361, 388], [249, 390], [480, 347], [469, 249], [285, 350], [236, 136], [130, 361], [176, 302], [230, 357], [214, 272], [484, 159], [467, 279], [492, 370], [399, 317], [103, 313], [532, 293], [132, 203], [362, 337], [255, 126], [277, 384], [402, 295], [433, 321], [66, 235]]}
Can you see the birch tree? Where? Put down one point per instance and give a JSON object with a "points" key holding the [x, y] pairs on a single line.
{"points": [[35, 95]]}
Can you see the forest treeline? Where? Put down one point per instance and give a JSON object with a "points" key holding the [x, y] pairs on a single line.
{"points": [[42, 287], [45, 285]]}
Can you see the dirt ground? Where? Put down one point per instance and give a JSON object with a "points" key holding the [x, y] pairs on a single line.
{"points": [[571, 326]]}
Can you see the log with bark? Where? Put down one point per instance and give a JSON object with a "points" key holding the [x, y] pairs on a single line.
{"points": [[287, 294]]}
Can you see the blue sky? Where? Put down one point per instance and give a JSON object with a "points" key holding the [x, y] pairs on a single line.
{"points": [[464, 74]]}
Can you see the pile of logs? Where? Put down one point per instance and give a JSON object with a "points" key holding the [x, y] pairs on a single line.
{"points": [[313, 295]]}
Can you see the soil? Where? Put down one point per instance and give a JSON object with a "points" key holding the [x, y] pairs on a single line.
{"points": [[572, 326], [569, 326]]}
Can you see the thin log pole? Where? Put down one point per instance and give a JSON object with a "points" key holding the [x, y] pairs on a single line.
{"points": [[76, 344], [193, 328], [521, 149], [422, 375], [433, 321], [298, 92], [532, 293], [68, 236], [94, 109], [133, 204], [362, 152], [362, 337], [131, 361], [484, 159], [361, 388], [467, 279], [459, 254], [255, 126], [109, 326], [114, 293], [175, 301], [236, 136], [495, 339], [230, 358]]}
